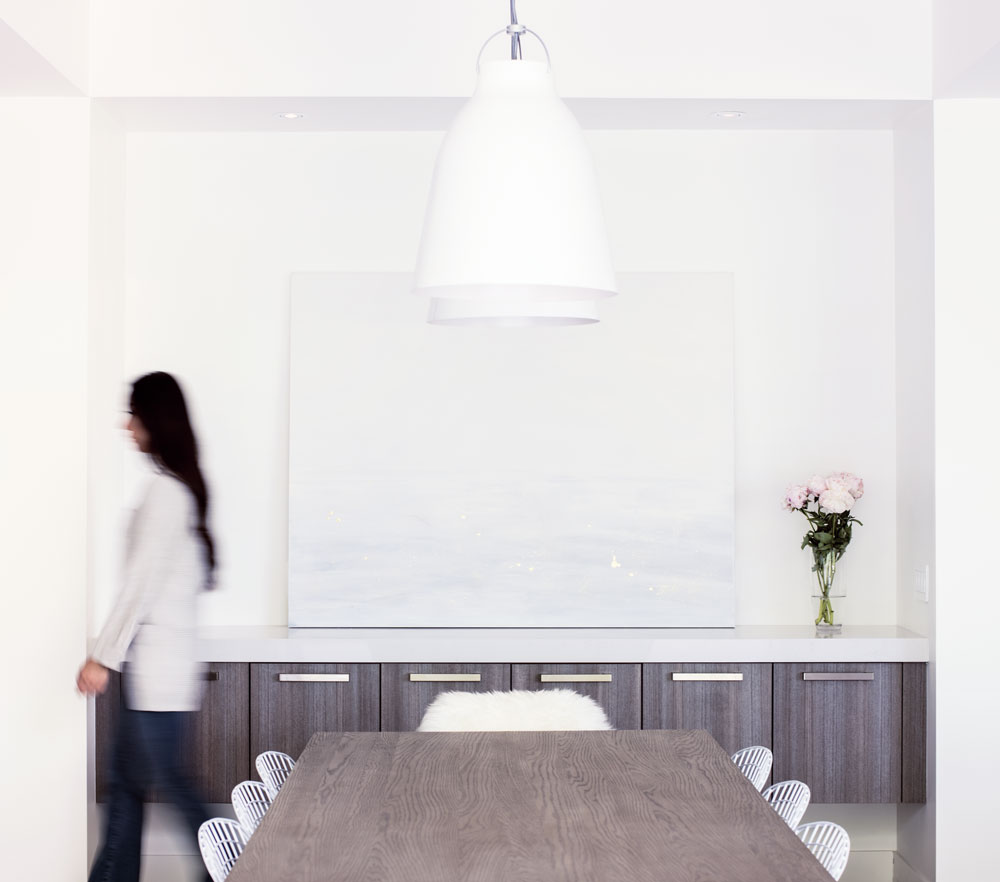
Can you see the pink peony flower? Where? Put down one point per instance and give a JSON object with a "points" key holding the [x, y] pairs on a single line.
{"points": [[855, 486], [816, 485], [834, 482], [796, 496], [835, 501]]}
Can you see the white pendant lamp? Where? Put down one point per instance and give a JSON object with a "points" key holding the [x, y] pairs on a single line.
{"points": [[514, 231], [511, 312]]}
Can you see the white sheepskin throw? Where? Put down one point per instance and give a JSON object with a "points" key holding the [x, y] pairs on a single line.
{"points": [[517, 711]]}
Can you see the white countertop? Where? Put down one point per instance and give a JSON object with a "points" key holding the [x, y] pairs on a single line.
{"points": [[551, 645]]}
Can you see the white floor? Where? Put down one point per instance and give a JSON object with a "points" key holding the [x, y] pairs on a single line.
{"points": [[171, 868], [868, 866]]}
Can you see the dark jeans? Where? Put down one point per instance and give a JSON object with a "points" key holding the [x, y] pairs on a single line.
{"points": [[147, 755]]}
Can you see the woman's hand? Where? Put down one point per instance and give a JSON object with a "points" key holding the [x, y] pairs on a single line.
{"points": [[93, 678]]}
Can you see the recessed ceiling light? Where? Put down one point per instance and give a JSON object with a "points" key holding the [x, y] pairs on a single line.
{"points": [[289, 115], [729, 114]]}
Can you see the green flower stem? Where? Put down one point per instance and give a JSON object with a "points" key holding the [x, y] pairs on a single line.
{"points": [[825, 611], [826, 569]]}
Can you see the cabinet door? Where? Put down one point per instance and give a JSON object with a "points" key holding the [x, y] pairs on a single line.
{"points": [[290, 702], [218, 735], [838, 728], [731, 701], [216, 738], [107, 707], [408, 689], [615, 688]]}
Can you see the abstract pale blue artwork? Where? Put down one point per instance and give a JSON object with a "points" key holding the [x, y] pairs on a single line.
{"points": [[495, 477]]}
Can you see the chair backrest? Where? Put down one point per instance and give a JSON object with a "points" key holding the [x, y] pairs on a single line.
{"points": [[273, 766], [829, 843], [789, 799], [221, 843], [250, 802], [519, 710], [755, 763]]}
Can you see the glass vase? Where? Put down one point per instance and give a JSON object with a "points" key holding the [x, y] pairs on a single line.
{"points": [[828, 591]]}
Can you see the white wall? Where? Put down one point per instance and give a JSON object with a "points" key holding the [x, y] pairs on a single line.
{"points": [[105, 392], [967, 278], [914, 351], [914, 224], [965, 32], [631, 48], [58, 30], [43, 465], [218, 221]]}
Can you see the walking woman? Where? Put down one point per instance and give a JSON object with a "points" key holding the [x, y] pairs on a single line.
{"points": [[150, 633]]}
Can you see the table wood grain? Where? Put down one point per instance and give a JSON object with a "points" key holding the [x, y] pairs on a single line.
{"points": [[667, 805]]}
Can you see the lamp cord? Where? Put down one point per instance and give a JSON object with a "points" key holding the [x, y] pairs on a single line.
{"points": [[514, 31], [515, 38]]}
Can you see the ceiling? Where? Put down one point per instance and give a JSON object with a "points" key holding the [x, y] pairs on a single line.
{"points": [[628, 49], [397, 65], [24, 71]]}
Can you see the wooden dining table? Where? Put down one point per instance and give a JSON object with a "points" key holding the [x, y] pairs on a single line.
{"points": [[663, 806]]}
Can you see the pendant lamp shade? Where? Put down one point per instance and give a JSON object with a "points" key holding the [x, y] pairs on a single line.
{"points": [[514, 218], [511, 312]]}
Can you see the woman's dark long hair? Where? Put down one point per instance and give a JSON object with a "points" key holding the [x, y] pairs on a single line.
{"points": [[158, 402]]}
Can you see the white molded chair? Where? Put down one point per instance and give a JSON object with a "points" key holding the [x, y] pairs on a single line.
{"points": [[829, 843], [221, 843], [520, 710], [273, 766], [250, 802], [755, 763], [789, 799]]}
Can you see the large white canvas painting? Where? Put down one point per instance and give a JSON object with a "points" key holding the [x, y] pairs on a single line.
{"points": [[493, 477]]}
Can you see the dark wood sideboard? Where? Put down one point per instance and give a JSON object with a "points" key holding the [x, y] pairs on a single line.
{"points": [[855, 732]]}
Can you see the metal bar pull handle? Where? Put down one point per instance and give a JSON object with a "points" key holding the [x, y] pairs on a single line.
{"points": [[210, 675], [574, 678], [314, 678], [706, 678], [819, 675], [445, 678]]}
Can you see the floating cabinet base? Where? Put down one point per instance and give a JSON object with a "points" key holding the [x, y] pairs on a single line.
{"points": [[854, 732]]}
